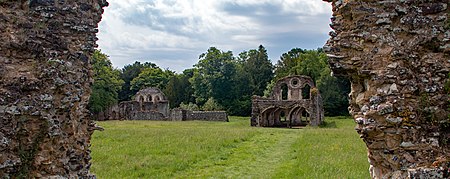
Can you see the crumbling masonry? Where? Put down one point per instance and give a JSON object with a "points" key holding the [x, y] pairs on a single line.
{"points": [[45, 78], [295, 101], [151, 104], [397, 55]]}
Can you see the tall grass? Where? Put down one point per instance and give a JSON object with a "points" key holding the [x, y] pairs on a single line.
{"points": [[194, 149]]}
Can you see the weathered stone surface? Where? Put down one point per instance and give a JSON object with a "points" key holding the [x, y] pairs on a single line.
{"points": [[294, 101], [45, 78], [396, 54]]}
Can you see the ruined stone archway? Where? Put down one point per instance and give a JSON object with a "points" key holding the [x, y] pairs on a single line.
{"points": [[297, 116], [287, 96], [396, 55]]}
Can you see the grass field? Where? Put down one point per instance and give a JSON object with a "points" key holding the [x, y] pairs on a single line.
{"points": [[195, 149]]}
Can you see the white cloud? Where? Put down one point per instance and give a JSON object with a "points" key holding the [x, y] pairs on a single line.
{"points": [[172, 33]]}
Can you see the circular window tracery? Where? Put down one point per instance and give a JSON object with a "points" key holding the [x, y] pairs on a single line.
{"points": [[295, 82]]}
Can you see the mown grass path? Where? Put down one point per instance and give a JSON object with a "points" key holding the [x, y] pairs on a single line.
{"points": [[152, 149], [255, 158]]}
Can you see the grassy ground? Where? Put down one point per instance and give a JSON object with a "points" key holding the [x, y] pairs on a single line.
{"points": [[195, 149]]}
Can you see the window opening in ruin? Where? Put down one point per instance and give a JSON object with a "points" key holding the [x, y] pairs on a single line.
{"points": [[282, 116], [305, 116], [149, 98], [306, 92], [157, 98], [114, 115], [141, 100], [295, 82], [284, 91]]}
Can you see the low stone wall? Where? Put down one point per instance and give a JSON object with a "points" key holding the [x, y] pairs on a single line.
{"points": [[206, 116], [130, 110], [112, 113], [147, 115], [186, 115]]}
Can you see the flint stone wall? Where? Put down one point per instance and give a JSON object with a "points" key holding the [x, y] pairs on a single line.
{"points": [[397, 55], [204, 116], [129, 111], [45, 78]]}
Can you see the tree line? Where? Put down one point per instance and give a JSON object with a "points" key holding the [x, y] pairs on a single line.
{"points": [[219, 80]]}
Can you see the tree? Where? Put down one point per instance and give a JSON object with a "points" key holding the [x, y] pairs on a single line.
{"points": [[287, 61], [107, 83], [213, 75], [258, 69], [301, 62], [179, 89], [151, 77], [190, 106], [334, 92], [128, 73], [211, 105]]}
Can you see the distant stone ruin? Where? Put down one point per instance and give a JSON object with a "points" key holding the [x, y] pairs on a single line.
{"points": [[396, 54], [148, 104], [152, 104], [45, 78], [295, 101]]}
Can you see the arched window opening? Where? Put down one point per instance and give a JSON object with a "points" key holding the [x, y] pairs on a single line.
{"points": [[306, 92], [305, 117], [149, 98], [284, 91], [114, 116], [141, 100], [282, 116]]}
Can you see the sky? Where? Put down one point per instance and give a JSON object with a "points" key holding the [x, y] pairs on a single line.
{"points": [[173, 33]]}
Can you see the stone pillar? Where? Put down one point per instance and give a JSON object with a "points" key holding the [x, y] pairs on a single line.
{"points": [[397, 55], [45, 79]]}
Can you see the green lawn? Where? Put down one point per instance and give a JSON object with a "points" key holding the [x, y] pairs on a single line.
{"points": [[195, 149]]}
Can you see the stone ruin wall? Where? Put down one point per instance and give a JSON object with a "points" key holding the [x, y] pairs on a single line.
{"points": [[267, 111], [130, 110], [220, 116], [45, 78], [397, 55]]}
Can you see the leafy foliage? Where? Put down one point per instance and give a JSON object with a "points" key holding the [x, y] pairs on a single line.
{"points": [[151, 77], [179, 89], [222, 80], [211, 105], [257, 68], [190, 106], [230, 80], [128, 73], [215, 76], [107, 83]]}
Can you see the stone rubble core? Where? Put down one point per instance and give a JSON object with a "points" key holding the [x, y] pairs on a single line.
{"points": [[45, 79], [152, 104], [397, 55], [290, 104]]}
